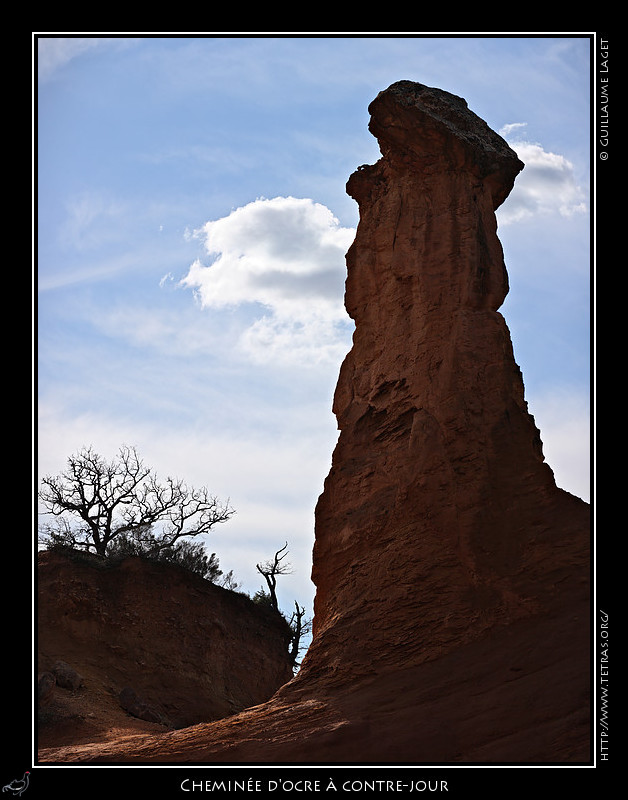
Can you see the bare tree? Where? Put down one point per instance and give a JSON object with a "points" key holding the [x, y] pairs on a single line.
{"points": [[123, 496], [299, 627], [270, 570]]}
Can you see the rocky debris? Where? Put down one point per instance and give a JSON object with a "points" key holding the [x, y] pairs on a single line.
{"points": [[46, 683], [137, 707], [66, 677], [452, 574]]}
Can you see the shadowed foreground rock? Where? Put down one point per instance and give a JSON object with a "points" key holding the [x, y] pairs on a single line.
{"points": [[145, 646], [452, 604]]}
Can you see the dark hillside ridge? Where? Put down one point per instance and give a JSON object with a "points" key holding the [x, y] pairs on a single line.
{"points": [[189, 650]]}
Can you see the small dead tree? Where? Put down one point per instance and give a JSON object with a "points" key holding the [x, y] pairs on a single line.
{"points": [[299, 627], [270, 569], [123, 497]]}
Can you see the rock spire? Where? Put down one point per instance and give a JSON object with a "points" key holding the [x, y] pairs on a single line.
{"points": [[440, 518]]}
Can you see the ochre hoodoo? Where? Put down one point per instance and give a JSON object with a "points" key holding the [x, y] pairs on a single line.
{"points": [[452, 575]]}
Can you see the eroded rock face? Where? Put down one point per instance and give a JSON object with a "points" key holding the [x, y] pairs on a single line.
{"points": [[440, 518], [153, 639], [451, 611]]}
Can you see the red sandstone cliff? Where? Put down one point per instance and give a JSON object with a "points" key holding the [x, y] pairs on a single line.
{"points": [[439, 497], [156, 647], [452, 610]]}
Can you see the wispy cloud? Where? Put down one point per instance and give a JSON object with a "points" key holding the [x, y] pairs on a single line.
{"points": [[547, 185], [55, 52], [92, 220]]}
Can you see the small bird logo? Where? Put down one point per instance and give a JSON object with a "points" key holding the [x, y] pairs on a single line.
{"points": [[17, 786]]}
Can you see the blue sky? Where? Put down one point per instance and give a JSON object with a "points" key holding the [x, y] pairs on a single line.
{"points": [[192, 222]]}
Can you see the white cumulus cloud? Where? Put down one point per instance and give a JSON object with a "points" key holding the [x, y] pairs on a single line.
{"points": [[547, 185], [284, 258]]}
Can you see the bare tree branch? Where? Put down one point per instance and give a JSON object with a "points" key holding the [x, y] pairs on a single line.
{"points": [[270, 570], [299, 627]]}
